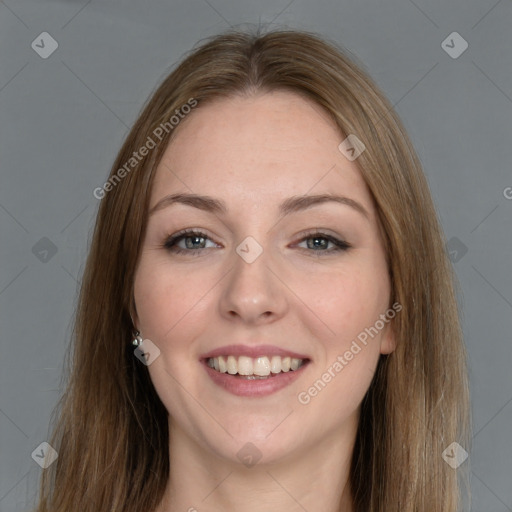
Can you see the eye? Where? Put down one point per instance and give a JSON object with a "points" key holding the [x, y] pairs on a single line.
{"points": [[323, 243], [193, 242], [188, 242]]}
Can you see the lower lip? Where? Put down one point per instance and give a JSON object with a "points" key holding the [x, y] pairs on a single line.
{"points": [[255, 387]]}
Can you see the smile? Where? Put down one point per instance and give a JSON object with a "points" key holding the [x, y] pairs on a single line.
{"points": [[253, 371], [254, 368]]}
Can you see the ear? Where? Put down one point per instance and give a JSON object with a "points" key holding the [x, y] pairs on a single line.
{"points": [[388, 340]]}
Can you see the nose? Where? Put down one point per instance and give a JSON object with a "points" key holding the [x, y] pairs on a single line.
{"points": [[252, 292]]}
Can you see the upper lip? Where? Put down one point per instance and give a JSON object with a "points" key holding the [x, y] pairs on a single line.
{"points": [[252, 351]]}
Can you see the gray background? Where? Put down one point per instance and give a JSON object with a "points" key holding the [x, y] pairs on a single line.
{"points": [[63, 119]]}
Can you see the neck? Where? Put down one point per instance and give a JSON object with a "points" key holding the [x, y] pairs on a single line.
{"points": [[315, 479]]}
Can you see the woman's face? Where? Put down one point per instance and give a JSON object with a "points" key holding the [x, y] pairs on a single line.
{"points": [[262, 252]]}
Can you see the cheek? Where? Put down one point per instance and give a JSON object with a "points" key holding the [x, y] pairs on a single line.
{"points": [[347, 363], [346, 301], [336, 394], [351, 303], [167, 301]]}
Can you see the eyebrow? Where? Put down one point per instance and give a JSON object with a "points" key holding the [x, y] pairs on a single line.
{"points": [[290, 205]]}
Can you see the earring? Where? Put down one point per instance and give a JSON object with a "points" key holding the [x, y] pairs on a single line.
{"points": [[137, 339]]}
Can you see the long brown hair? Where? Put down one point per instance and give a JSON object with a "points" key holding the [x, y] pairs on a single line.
{"points": [[111, 429]]}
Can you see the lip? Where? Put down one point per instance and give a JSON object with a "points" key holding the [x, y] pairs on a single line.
{"points": [[257, 387], [254, 388], [252, 351]]}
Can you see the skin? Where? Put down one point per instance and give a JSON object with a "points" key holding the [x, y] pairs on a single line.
{"points": [[253, 153]]}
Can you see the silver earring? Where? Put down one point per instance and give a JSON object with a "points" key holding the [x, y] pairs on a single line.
{"points": [[137, 339]]}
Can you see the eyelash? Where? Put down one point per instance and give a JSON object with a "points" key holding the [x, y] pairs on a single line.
{"points": [[171, 243]]}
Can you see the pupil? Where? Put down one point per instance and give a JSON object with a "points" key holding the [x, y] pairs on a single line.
{"points": [[318, 243], [190, 241]]}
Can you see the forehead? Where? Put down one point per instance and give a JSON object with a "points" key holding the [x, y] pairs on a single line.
{"points": [[273, 144]]}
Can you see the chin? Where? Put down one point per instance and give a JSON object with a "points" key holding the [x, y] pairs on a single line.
{"points": [[253, 450]]}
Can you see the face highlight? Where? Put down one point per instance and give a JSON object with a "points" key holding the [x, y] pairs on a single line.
{"points": [[261, 264]]}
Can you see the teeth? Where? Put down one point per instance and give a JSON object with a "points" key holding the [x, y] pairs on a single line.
{"points": [[275, 364], [231, 366], [261, 366], [244, 365], [258, 367]]}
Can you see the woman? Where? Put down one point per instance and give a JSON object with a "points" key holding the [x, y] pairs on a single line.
{"points": [[267, 318]]}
